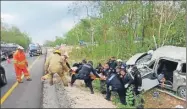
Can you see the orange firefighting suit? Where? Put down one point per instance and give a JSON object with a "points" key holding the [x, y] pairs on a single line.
{"points": [[20, 65]]}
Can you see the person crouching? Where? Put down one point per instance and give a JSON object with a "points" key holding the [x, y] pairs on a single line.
{"points": [[84, 74]]}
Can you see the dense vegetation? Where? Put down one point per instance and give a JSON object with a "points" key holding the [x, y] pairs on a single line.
{"points": [[14, 35], [122, 28]]}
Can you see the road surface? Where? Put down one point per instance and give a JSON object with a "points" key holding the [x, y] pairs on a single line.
{"points": [[27, 94]]}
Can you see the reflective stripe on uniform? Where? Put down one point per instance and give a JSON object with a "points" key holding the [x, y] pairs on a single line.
{"points": [[22, 62]]}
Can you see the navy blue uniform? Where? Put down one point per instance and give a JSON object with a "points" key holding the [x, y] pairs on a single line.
{"points": [[84, 74], [114, 84]]}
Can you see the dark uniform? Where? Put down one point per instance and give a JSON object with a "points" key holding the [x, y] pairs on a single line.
{"points": [[114, 84], [100, 70], [84, 74], [78, 65], [133, 77], [112, 64]]}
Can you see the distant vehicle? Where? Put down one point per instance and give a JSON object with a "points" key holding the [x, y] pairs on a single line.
{"points": [[7, 50], [3, 80], [34, 50], [150, 66], [3, 56]]}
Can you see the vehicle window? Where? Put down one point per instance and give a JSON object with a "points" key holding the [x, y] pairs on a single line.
{"points": [[184, 68], [152, 65], [144, 59]]}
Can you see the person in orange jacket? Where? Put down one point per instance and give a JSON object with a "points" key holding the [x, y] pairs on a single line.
{"points": [[21, 64]]}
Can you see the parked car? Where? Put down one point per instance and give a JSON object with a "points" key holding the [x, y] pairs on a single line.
{"points": [[3, 56], [7, 49], [35, 49], [174, 60], [3, 80]]}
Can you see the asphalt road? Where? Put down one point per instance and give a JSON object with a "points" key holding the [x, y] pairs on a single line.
{"points": [[29, 93]]}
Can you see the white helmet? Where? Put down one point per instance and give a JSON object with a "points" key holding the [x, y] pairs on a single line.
{"points": [[119, 60], [20, 47]]}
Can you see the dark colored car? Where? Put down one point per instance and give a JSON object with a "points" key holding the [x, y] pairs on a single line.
{"points": [[3, 80], [35, 50]]}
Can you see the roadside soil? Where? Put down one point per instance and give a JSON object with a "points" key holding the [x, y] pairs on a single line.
{"points": [[80, 97], [162, 101]]}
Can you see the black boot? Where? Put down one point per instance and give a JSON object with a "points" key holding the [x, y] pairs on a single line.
{"points": [[92, 92]]}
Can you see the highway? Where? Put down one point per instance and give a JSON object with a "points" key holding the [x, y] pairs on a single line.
{"points": [[27, 94]]}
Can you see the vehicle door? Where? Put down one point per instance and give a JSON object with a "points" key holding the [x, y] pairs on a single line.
{"points": [[167, 84], [149, 79], [179, 76]]}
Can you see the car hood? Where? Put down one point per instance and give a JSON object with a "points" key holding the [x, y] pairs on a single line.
{"points": [[134, 58]]}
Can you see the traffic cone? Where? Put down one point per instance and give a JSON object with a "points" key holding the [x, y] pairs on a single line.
{"points": [[8, 60]]}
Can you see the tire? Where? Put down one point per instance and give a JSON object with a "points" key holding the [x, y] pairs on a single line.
{"points": [[182, 92], [3, 79]]}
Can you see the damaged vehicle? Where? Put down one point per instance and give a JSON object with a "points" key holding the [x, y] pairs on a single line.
{"points": [[169, 61]]}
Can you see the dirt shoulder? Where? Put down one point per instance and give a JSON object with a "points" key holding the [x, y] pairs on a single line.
{"points": [[80, 97]]}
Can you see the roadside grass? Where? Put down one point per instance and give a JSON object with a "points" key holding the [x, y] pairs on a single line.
{"points": [[115, 98]]}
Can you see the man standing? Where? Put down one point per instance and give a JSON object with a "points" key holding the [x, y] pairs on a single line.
{"points": [[21, 64]]}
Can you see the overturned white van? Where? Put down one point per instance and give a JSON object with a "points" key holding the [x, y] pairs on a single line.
{"points": [[172, 58]]}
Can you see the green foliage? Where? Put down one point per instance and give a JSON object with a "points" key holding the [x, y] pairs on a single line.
{"points": [[130, 96], [14, 35], [119, 25]]}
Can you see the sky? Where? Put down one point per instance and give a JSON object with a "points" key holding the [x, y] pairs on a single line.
{"points": [[42, 20]]}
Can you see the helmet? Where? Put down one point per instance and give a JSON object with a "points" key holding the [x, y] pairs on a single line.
{"points": [[20, 47], [119, 60], [57, 51]]}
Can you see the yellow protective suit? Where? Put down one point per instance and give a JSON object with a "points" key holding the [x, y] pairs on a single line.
{"points": [[55, 64]]}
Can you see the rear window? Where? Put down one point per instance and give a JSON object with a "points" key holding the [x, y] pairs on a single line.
{"points": [[184, 68]]}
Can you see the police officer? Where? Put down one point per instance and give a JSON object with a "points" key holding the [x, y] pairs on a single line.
{"points": [[112, 63], [133, 77], [114, 84], [105, 71], [84, 74], [78, 65], [121, 64]]}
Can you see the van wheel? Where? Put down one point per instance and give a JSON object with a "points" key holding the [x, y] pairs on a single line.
{"points": [[182, 92], [130, 95], [3, 79]]}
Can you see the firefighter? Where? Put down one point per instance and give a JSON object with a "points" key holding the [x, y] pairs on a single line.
{"points": [[114, 84], [21, 64], [84, 74], [55, 64], [65, 58]]}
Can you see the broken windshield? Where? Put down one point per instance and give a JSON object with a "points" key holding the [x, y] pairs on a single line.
{"points": [[144, 59]]}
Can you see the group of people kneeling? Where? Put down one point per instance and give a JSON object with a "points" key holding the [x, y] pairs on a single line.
{"points": [[113, 74]]}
